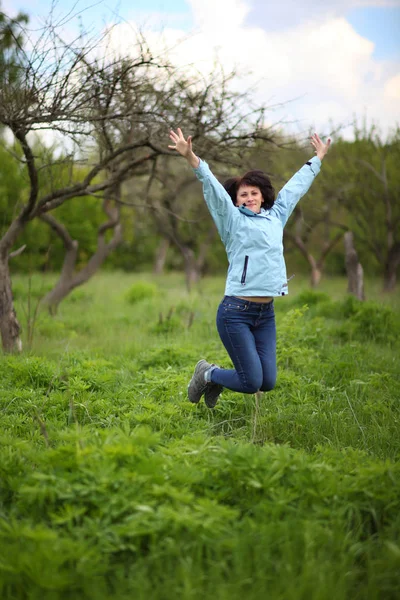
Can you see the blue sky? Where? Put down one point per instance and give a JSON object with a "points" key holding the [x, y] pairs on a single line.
{"points": [[96, 11], [380, 24], [324, 61]]}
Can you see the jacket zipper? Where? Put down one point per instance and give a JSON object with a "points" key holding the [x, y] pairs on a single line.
{"points": [[243, 280]]}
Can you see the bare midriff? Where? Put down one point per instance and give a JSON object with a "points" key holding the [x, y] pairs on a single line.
{"points": [[261, 299]]}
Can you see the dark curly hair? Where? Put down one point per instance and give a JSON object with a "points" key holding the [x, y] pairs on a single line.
{"points": [[254, 178]]}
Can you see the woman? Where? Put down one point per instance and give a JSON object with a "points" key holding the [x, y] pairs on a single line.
{"points": [[250, 222]]}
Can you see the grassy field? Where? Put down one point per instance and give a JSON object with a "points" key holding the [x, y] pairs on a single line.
{"points": [[112, 485]]}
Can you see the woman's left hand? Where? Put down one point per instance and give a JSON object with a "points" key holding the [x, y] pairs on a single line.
{"points": [[320, 147]]}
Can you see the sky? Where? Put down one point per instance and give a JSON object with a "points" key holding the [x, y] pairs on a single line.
{"points": [[317, 64]]}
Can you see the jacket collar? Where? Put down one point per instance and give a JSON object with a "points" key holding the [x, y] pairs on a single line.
{"points": [[249, 213]]}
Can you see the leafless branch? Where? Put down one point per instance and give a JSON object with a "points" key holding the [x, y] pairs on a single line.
{"points": [[17, 252]]}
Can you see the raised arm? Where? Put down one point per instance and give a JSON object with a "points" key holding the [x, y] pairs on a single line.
{"points": [[301, 182], [217, 198]]}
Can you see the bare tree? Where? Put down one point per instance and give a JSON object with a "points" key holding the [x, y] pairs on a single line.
{"points": [[370, 191], [161, 256], [388, 250], [300, 234], [355, 272], [129, 103], [181, 221], [86, 101], [111, 115], [70, 278]]}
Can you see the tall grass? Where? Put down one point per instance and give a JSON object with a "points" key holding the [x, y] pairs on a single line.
{"points": [[114, 486]]}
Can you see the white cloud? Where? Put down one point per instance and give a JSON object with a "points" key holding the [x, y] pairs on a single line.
{"points": [[379, 3], [219, 16], [326, 65], [392, 88]]}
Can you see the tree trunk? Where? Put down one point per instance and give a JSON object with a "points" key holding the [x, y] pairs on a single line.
{"points": [[192, 271], [161, 256], [9, 327], [204, 248], [66, 283], [316, 266], [69, 278], [355, 272], [194, 267], [391, 267], [316, 275], [389, 281]]}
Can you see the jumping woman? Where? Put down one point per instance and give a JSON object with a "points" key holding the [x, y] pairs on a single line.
{"points": [[250, 222]]}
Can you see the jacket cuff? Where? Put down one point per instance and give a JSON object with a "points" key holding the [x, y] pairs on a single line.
{"points": [[315, 164]]}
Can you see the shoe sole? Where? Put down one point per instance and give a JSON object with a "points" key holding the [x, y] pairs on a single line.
{"points": [[211, 395]]}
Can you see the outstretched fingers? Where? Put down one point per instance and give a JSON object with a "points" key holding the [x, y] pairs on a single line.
{"points": [[315, 140], [184, 147], [176, 137], [319, 145]]}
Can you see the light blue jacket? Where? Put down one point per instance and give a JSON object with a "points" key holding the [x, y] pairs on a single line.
{"points": [[254, 242]]}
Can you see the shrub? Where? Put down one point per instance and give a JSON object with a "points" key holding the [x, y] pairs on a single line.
{"points": [[52, 328], [29, 371], [310, 298], [349, 306], [370, 321], [163, 357], [140, 291]]}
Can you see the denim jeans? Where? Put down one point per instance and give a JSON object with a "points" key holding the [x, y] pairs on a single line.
{"points": [[247, 330]]}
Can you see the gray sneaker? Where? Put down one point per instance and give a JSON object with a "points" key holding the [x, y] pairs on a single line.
{"points": [[197, 385], [212, 393]]}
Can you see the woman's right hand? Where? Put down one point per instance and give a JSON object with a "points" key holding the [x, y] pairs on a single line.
{"points": [[184, 147]]}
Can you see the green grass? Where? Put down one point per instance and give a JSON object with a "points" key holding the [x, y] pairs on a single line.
{"points": [[112, 485]]}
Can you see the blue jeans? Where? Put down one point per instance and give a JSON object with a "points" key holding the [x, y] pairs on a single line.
{"points": [[247, 330]]}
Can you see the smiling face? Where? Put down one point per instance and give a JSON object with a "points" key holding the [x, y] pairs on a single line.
{"points": [[250, 196]]}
